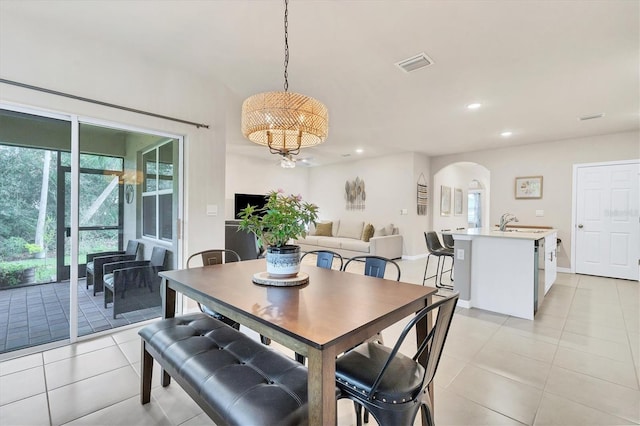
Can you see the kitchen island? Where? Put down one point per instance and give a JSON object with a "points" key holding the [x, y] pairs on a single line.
{"points": [[508, 272]]}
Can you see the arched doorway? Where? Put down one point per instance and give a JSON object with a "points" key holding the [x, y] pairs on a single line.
{"points": [[453, 186]]}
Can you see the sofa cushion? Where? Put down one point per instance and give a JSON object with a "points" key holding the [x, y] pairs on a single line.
{"points": [[350, 229], [309, 239], [335, 227], [367, 232], [355, 245], [324, 229], [330, 242]]}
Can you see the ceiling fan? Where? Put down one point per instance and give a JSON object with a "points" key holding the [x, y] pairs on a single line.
{"points": [[287, 161]]}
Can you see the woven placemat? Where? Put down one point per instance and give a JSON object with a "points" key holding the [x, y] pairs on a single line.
{"points": [[263, 278]]}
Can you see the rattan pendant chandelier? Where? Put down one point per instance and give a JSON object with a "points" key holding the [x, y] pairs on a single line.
{"points": [[284, 121]]}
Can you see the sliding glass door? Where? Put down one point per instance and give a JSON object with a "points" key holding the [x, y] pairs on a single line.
{"points": [[71, 189]]}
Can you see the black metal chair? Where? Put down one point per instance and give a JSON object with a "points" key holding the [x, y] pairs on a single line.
{"points": [[325, 258], [436, 249], [374, 266], [215, 257], [135, 284], [96, 262], [389, 384]]}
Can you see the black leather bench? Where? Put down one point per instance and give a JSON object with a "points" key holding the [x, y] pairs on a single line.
{"points": [[233, 378]]}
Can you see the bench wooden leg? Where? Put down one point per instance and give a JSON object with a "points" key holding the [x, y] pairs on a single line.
{"points": [[145, 376], [166, 378]]}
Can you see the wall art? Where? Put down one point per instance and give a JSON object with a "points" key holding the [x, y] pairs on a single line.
{"points": [[355, 194]]}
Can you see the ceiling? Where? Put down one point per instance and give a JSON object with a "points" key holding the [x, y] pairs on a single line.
{"points": [[535, 66]]}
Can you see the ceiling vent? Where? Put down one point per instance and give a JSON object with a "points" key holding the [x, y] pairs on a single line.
{"points": [[415, 62]]}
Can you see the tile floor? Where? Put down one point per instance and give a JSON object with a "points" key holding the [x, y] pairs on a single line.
{"points": [[576, 364]]}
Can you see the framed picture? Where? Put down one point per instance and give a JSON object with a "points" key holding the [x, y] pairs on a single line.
{"points": [[529, 187], [445, 200], [457, 201]]}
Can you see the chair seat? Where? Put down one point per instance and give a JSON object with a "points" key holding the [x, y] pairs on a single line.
{"points": [[108, 281], [357, 370]]}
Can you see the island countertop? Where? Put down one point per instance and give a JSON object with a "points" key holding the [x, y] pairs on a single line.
{"points": [[518, 233]]}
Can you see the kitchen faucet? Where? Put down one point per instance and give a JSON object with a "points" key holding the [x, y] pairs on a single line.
{"points": [[507, 218]]}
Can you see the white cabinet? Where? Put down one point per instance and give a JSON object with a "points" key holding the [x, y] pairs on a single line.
{"points": [[550, 260]]}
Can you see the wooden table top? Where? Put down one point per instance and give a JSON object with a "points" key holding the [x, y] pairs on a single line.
{"points": [[332, 305]]}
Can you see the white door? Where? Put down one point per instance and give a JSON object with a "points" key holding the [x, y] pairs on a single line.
{"points": [[607, 220]]}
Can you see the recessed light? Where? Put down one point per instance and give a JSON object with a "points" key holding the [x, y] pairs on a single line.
{"points": [[506, 134], [474, 106], [359, 151]]}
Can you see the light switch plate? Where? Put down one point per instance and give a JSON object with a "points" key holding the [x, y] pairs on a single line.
{"points": [[212, 210], [539, 213], [460, 254]]}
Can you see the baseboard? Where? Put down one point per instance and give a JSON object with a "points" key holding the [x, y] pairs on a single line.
{"points": [[565, 270], [464, 303], [414, 257]]}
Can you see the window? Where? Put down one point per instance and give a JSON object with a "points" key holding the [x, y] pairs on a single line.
{"points": [[157, 195]]}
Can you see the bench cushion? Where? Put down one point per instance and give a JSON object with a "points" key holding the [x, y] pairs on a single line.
{"points": [[243, 381]]}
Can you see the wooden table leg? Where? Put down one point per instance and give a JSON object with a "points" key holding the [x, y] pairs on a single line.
{"points": [[168, 300], [168, 311], [322, 387]]}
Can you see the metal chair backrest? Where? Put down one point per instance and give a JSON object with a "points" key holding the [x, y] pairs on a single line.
{"points": [[324, 258], [214, 257], [430, 349], [433, 242], [448, 241], [374, 266]]}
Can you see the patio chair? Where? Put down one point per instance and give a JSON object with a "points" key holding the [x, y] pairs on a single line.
{"points": [[134, 285], [96, 262], [389, 384]]}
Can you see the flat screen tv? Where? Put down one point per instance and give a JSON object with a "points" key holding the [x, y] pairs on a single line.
{"points": [[242, 200]]}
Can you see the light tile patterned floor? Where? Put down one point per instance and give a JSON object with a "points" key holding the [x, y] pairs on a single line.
{"points": [[576, 364]]}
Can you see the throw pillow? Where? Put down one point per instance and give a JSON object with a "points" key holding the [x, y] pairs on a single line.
{"points": [[350, 229], [367, 233], [380, 232], [389, 229], [324, 229]]}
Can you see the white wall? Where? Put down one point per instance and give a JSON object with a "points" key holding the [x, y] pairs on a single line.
{"points": [[32, 53], [390, 186], [552, 160], [252, 176]]}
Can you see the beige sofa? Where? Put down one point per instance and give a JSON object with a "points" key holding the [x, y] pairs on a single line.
{"points": [[347, 239]]}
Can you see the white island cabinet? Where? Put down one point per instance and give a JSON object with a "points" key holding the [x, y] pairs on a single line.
{"points": [[501, 271]]}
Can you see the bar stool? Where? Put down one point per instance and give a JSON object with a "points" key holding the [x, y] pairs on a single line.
{"points": [[436, 249]]}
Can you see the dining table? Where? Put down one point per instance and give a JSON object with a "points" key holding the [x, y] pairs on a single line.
{"points": [[331, 313]]}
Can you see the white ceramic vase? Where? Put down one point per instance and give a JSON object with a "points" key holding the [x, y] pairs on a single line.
{"points": [[283, 262]]}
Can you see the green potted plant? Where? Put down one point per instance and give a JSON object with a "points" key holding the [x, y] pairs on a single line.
{"points": [[281, 219]]}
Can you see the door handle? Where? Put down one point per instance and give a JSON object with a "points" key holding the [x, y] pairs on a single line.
{"points": [[580, 226]]}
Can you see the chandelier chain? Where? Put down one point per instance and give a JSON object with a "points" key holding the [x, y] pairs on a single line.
{"points": [[286, 45]]}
